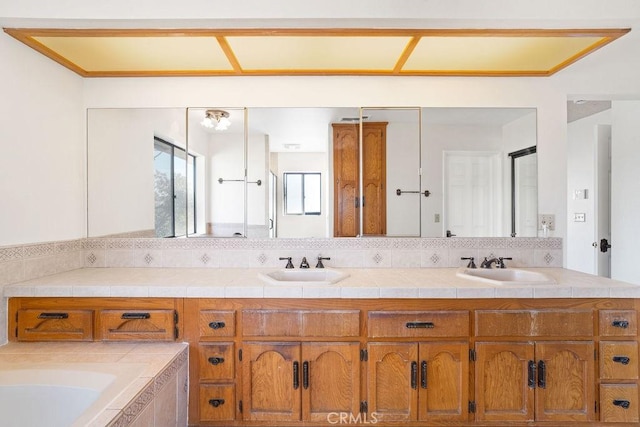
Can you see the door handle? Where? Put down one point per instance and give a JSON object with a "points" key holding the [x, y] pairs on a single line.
{"points": [[305, 375], [542, 374], [531, 374], [296, 375], [621, 359], [604, 245], [423, 374], [414, 375]]}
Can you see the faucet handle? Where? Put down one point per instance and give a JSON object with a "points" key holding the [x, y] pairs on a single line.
{"points": [[304, 263], [471, 264], [320, 264], [289, 263], [501, 261]]}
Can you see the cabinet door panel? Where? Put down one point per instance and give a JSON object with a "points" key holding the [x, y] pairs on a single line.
{"points": [[568, 392], [444, 387], [619, 403], [346, 180], [217, 402], [55, 325], [331, 379], [391, 394], [271, 381], [374, 178], [216, 361], [502, 386]]}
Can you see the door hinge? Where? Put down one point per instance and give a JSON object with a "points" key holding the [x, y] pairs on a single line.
{"points": [[472, 355], [472, 406], [364, 407], [240, 406], [176, 332], [240, 355], [595, 406], [175, 317], [595, 355], [364, 355]]}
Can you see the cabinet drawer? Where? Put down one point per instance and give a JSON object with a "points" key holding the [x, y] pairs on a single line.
{"points": [[618, 323], [217, 361], [619, 360], [217, 402], [301, 323], [54, 325], [418, 323], [619, 403], [534, 323], [137, 325], [217, 323]]}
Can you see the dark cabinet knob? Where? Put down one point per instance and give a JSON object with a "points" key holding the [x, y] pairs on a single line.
{"points": [[621, 359], [622, 403], [217, 325], [216, 402], [216, 360], [624, 324]]}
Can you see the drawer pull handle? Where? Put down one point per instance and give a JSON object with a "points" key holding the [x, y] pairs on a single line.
{"points": [[420, 325], [216, 360], [622, 403], [542, 374], [624, 324], [414, 375], [217, 325], [305, 375], [531, 374], [135, 316], [621, 359], [423, 374], [216, 402], [53, 316], [296, 375]]}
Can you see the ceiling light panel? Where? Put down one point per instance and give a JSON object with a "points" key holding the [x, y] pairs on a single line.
{"points": [[136, 54], [317, 53], [496, 54]]}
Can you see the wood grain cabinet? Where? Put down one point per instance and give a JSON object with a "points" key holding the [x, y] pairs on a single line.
{"points": [[388, 362], [300, 381], [349, 197], [618, 363], [418, 381]]}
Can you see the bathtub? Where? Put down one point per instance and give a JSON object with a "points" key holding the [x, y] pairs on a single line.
{"points": [[60, 394]]}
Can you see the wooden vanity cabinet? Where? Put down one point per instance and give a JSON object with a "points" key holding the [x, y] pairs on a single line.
{"points": [[94, 319], [388, 362], [535, 376]]}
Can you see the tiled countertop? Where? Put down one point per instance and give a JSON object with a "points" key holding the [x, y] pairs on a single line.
{"points": [[361, 283], [144, 369]]}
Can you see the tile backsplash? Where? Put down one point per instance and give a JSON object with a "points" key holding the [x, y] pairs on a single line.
{"points": [[24, 262]]}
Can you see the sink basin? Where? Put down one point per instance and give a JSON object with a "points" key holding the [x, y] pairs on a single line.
{"points": [[506, 276], [317, 276]]}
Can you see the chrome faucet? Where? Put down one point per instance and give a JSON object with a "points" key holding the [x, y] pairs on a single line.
{"points": [[304, 263], [289, 263], [320, 264], [487, 262], [499, 262]]}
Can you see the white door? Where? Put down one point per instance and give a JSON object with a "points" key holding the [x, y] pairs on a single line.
{"points": [[473, 193], [603, 200]]}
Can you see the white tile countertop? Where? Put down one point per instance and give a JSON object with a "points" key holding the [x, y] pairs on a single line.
{"points": [[361, 283]]}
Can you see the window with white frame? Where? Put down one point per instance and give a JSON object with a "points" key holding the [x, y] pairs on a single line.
{"points": [[302, 193]]}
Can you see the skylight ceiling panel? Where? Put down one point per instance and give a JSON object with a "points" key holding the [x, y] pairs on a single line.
{"points": [[140, 54], [496, 53], [305, 53]]}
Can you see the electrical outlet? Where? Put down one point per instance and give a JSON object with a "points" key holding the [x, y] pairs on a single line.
{"points": [[548, 219], [436, 218]]}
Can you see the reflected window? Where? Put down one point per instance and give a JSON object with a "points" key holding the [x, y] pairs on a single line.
{"points": [[302, 193], [172, 189]]}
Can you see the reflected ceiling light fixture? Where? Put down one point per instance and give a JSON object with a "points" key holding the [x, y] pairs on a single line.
{"points": [[216, 119]]}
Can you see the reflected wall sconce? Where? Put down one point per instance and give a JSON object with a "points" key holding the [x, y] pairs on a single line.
{"points": [[216, 119]]}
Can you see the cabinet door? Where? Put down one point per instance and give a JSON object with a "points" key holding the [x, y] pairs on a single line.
{"points": [[393, 381], [346, 217], [271, 381], [374, 204], [444, 381], [504, 390], [330, 379], [565, 381]]}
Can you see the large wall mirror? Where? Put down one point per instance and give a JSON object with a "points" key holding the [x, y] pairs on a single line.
{"points": [[310, 172]]}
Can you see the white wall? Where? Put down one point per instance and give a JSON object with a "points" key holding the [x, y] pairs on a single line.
{"points": [[625, 190], [303, 225], [403, 162], [42, 183], [120, 166], [582, 135]]}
